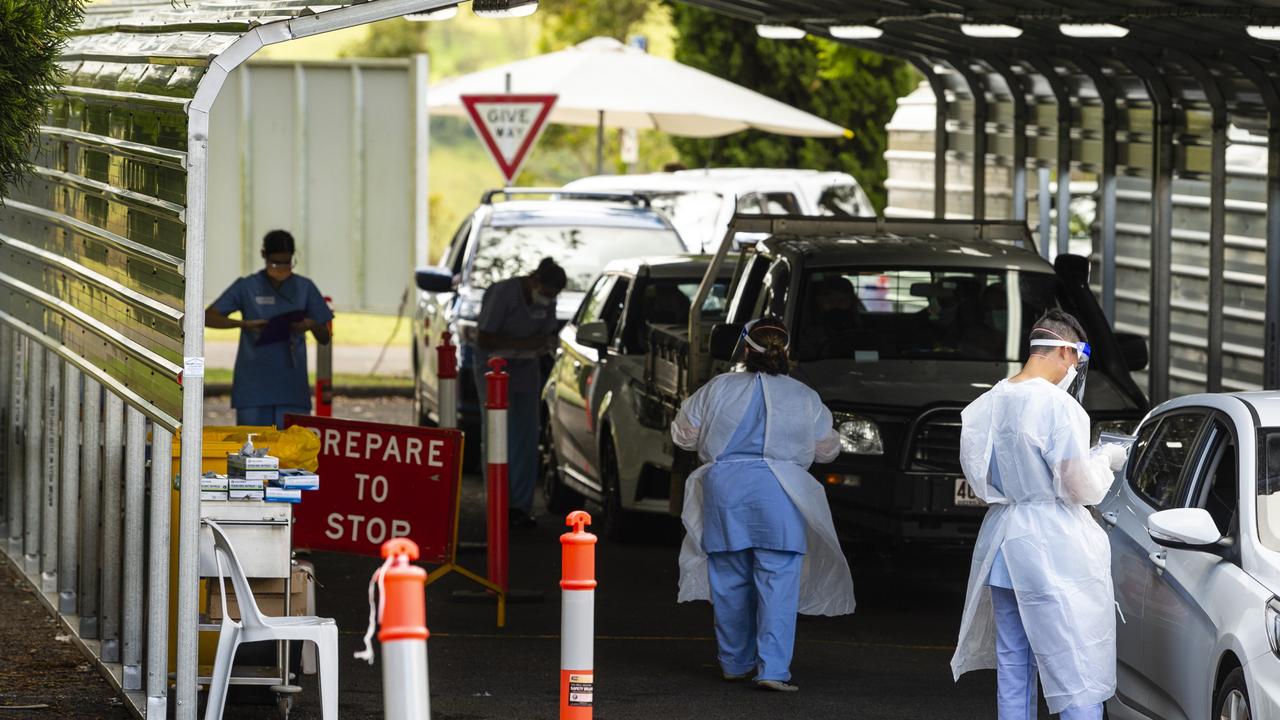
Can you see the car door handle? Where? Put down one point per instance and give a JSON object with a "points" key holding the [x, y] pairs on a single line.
{"points": [[1110, 518], [1158, 559]]}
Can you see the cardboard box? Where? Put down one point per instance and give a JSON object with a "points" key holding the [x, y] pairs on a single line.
{"points": [[269, 594], [242, 484], [300, 479], [248, 462], [245, 494], [277, 494], [213, 482], [213, 496], [259, 475]]}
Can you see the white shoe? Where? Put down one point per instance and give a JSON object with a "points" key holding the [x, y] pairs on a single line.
{"points": [[775, 685]]}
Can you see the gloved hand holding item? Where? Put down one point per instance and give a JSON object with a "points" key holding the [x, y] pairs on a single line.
{"points": [[1117, 455]]}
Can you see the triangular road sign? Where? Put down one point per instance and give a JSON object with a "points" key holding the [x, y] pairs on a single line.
{"points": [[509, 125]]}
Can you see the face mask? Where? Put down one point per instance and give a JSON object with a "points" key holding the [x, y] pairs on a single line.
{"points": [[1070, 377]]}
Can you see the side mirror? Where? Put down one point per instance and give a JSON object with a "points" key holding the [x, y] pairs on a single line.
{"points": [[594, 334], [1184, 529], [434, 280], [1072, 269], [724, 339], [1134, 350]]}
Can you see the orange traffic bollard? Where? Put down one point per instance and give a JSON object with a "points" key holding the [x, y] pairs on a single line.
{"points": [[447, 381], [496, 472], [577, 618], [404, 633]]}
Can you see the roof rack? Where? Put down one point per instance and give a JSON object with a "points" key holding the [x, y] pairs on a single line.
{"points": [[1012, 232], [563, 194]]}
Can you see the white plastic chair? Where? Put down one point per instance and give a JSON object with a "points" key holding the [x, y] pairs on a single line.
{"points": [[256, 627]]}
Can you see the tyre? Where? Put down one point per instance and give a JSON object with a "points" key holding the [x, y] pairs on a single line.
{"points": [[614, 522], [558, 497], [1231, 702]]}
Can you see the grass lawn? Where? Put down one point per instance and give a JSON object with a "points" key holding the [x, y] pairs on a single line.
{"points": [[348, 329], [222, 376]]}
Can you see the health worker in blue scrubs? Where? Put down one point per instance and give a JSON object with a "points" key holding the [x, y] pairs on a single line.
{"points": [[277, 309]]}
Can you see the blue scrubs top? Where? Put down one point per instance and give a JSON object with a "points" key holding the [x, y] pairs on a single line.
{"points": [[999, 568], [273, 374], [744, 505], [503, 311]]}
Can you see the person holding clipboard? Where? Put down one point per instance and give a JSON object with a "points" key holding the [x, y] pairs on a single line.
{"points": [[277, 309]]}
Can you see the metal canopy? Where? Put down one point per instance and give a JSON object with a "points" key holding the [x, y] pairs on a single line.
{"points": [[1186, 243]]}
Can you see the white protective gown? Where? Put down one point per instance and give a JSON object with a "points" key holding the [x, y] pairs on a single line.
{"points": [[798, 430], [1058, 557]]}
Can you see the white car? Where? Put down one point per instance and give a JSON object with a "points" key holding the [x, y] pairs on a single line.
{"points": [[700, 203], [1194, 523]]}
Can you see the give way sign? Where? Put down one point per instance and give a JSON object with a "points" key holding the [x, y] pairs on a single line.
{"points": [[509, 125]]}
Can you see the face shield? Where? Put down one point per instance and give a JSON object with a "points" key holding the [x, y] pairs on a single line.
{"points": [[1073, 382], [747, 343]]}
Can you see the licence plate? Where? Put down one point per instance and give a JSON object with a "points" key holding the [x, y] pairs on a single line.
{"points": [[965, 497]]}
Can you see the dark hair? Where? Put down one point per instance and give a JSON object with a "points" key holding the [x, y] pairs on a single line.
{"points": [[550, 275], [770, 333], [1056, 324], [277, 241]]}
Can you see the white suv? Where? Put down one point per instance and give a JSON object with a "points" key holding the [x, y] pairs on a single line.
{"points": [[1194, 524]]}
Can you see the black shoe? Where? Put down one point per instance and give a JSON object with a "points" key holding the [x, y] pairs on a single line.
{"points": [[520, 519]]}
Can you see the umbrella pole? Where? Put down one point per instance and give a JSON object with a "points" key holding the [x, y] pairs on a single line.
{"points": [[600, 144]]}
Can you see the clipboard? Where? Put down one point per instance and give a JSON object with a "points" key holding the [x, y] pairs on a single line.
{"points": [[277, 329]]}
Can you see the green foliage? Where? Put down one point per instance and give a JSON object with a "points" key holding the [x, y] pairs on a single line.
{"points": [[569, 22], [31, 35], [851, 87]]}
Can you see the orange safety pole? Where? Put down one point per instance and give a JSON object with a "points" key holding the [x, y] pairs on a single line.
{"points": [[404, 634], [577, 618], [496, 472], [324, 373]]}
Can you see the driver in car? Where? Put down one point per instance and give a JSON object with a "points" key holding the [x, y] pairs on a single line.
{"points": [[835, 315]]}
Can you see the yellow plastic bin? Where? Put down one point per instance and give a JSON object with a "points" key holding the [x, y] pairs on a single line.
{"points": [[214, 451]]}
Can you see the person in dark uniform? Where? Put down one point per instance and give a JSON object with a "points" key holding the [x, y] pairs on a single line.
{"points": [[277, 309]]}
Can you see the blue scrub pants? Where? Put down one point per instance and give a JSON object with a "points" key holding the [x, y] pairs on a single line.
{"points": [[524, 427], [268, 414], [1017, 678], [755, 594]]}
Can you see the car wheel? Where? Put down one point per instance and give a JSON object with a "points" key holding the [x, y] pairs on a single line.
{"points": [[558, 497], [613, 522], [1231, 702]]}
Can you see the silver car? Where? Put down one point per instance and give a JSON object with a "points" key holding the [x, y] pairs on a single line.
{"points": [[1194, 523]]}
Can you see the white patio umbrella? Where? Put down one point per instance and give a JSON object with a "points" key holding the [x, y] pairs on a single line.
{"points": [[603, 83]]}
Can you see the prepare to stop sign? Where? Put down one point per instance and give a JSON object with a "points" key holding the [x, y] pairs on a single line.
{"points": [[378, 482]]}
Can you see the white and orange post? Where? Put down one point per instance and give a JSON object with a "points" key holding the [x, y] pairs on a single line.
{"points": [[496, 472], [577, 618], [447, 381], [324, 373], [404, 634]]}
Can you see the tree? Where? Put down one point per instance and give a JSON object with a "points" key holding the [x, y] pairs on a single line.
{"points": [[31, 36], [569, 22], [849, 86]]}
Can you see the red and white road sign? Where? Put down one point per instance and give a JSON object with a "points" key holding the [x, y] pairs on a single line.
{"points": [[509, 125], [379, 482]]}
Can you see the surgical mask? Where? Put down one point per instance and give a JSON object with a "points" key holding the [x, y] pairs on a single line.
{"points": [[1074, 381], [1068, 379], [543, 300]]}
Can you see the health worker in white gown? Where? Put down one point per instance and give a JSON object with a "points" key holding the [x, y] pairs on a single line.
{"points": [[760, 543], [1040, 605]]}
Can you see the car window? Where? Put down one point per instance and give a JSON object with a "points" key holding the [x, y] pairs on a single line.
{"points": [[1216, 485], [594, 304], [458, 248], [667, 301], [1142, 443], [750, 204], [1269, 488], [781, 203], [748, 288], [611, 312], [1160, 479], [844, 200], [773, 301], [505, 251]]}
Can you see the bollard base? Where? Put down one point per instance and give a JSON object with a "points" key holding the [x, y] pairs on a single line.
{"points": [[48, 582], [67, 603], [131, 677], [478, 597], [89, 627], [109, 651]]}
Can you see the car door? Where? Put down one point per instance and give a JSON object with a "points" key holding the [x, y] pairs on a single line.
{"points": [[1181, 622], [570, 402], [1154, 480], [433, 313]]}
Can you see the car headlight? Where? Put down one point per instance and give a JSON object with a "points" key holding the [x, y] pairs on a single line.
{"points": [[1273, 625], [858, 435]]}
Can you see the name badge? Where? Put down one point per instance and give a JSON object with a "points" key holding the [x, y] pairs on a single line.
{"points": [[265, 299]]}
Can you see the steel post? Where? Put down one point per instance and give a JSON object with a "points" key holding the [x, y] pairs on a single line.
{"points": [[978, 92], [135, 499], [90, 509], [34, 460], [1018, 170], [939, 88], [1106, 185], [112, 485], [17, 444], [158, 567], [50, 479], [68, 514], [1063, 99], [1044, 203], [6, 449]]}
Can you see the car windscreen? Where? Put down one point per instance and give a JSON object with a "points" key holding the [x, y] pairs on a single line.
{"points": [[582, 250], [693, 213], [667, 301], [1269, 489], [888, 313]]}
